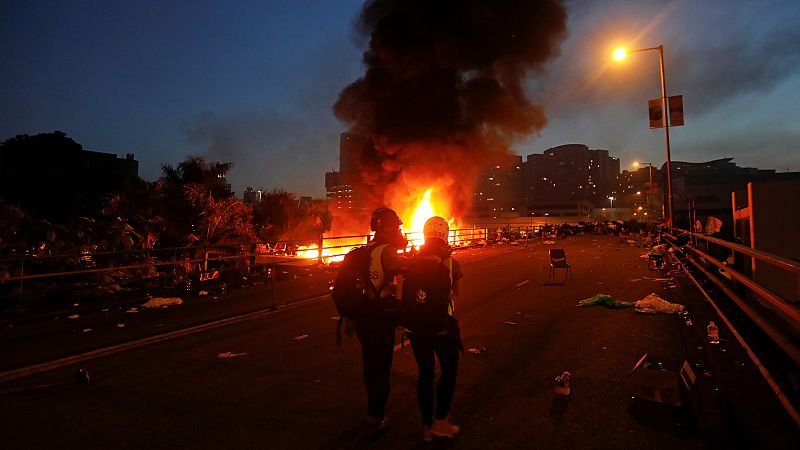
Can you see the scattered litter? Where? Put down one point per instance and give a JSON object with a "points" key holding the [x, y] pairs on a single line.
{"points": [[230, 355], [633, 280], [76, 304], [74, 316], [653, 304], [707, 374], [549, 242], [120, 325], [508, 322], [104, 310], [86, 330], [201, 293], [562, 384], [604, 300], [300, 338], [523, 283], [476, 351], [132, 311], [158, 302], [689, 323]]}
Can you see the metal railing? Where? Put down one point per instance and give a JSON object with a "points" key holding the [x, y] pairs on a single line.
{"points": [[177, 265], [732, 280]]}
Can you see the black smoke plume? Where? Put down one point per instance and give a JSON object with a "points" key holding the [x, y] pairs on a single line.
{"points": [[444, 86]]}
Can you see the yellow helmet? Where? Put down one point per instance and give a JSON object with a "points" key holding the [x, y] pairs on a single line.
{"points": [[436, 227]]}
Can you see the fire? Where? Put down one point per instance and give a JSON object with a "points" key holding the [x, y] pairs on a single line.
{"points": [[333, 249], [424, 210]]}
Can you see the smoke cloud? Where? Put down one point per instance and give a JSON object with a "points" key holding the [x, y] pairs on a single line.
{"points": [[443, 87]]}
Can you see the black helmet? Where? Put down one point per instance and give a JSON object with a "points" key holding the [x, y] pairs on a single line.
{"points": [[383, 218]]}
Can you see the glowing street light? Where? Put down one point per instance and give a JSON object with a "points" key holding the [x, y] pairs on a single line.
{"points": [[612, 202], [619, 55]]}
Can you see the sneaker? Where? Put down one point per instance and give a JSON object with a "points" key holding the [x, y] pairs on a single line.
{"points": [[443, 428], [377, 423], [427, 434]]}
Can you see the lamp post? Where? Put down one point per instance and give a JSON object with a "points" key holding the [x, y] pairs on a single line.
{"points": [[620, 54], [612, 202], [650, 192]]}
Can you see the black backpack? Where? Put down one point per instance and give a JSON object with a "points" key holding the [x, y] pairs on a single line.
{"points": [[426, 296], [351, 289]]}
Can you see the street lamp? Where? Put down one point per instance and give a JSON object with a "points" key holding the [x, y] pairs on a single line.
{"points": [[619, 55], [612, 202], [650, 192]]}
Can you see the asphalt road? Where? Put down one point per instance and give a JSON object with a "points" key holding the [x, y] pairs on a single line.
{"points": [[284, 384]]}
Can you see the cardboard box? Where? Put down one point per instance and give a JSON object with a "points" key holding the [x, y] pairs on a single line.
{"points": [[662, 379]]}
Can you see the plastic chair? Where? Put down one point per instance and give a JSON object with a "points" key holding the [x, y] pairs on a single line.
{"points": [[558, 260]]}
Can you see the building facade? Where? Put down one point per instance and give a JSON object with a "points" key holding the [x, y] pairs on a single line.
{"points": [[570, 173]]}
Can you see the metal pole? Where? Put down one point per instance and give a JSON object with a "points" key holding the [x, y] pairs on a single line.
{"points": [[650, 193], [665, 119]]}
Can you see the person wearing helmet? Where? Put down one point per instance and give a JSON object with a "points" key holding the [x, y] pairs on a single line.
{"points": [[377, 332], [444, 343]]}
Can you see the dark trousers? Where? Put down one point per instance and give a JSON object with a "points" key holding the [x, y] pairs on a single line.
{"points": [[377, 349], [446, 348]]}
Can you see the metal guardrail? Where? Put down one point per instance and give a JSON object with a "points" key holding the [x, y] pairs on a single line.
{"points": [[190, 262], [785, 309]]}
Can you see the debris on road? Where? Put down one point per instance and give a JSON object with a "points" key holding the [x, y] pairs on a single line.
{"points": [[508, 322], [476, 351], [549, 242], [300, 338], [653, 304], [230, 355], [604, 300], [82, 376], [160, 302], [86, 330], [562, 384], [120, 325], [202, 293], [132, 311], [74, 316]]}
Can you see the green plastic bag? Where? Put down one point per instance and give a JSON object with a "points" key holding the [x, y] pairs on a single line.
{"points": [[605, 300]]}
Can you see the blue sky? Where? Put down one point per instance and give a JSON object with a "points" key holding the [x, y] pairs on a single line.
{"points": [[253, 82]]}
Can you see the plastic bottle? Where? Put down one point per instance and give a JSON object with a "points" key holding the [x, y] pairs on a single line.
{"points": [[713, 333]]}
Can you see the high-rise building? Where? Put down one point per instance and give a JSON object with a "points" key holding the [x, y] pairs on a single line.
{"points": [[251, 197], [343, 186], [570, 173], [500, 187]]}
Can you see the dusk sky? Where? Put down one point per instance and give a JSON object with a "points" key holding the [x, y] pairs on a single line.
{"points": [[253, 82]]}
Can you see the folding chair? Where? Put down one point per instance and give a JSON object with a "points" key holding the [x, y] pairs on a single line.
{"points": [[558, 260]]}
